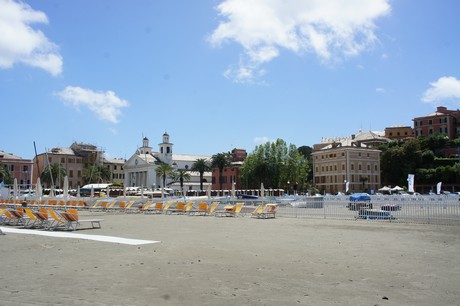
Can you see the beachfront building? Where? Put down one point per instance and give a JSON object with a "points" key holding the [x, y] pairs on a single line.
{"points": [[399, 132], [442, 121], [230, 174], [17, 168], [73, 159], [348, 161], [66, 158], [115, 166], [140, 168]]}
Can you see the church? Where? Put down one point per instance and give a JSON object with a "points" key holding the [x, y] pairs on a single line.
{"points": [[140, 168]]}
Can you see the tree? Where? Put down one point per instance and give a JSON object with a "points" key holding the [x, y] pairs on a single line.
{"points": [[96, 173], [201, 166], [181, 175], [5, 175], [220, 161], [53, 175], [164, 171], [277, 165]]}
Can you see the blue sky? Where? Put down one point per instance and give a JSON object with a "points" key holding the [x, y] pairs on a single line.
{"points": [[220, 74]]}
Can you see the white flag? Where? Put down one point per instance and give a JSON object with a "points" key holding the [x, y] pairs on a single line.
{"points": [[410, 182], [346, 186], [438, 188]]}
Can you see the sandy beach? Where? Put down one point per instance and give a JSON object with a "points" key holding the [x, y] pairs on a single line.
{"points": [[235, 261]]}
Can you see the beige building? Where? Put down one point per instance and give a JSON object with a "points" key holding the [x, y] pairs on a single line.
{"points": [[73, 160], [65, 157], [348, 161], [115, 167]]}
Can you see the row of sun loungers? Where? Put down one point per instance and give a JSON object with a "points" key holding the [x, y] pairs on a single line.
{"points": [[45, 218], [173, 207]]}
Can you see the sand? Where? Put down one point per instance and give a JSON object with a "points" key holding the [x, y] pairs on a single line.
{"points": [[235, 261]]}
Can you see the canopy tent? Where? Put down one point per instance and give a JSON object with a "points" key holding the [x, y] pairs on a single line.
{"points": [[360, 197], [397, 188]]}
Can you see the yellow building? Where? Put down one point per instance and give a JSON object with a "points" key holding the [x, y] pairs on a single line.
{"points": [[399, 132]]}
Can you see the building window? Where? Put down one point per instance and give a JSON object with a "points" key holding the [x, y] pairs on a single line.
{"points": [[359, 167], [79, 173], [70, 173], [352, 167], [368, 167], [114, 167], [430, 121], [25, 168], [430, 131]]}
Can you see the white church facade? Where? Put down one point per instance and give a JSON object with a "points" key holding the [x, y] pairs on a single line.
{"points": [[140, 168]]}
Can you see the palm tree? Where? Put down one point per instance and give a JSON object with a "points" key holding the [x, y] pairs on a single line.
{"points": [[220, 161], [164, 170], [96, 173], [181, 175], [5, 175], [53, 174], [201, 165]]}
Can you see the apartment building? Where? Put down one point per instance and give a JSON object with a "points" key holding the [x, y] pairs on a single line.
{"points": [[442, 121], [18, 168], [115, 166], [351, 163], [73, 160], [399, 132], [230, 174]]}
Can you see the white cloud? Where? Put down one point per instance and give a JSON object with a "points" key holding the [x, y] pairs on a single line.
{"points": [[332, 29], [380, 90], [20, 43], [105, 104], [444, 89]]}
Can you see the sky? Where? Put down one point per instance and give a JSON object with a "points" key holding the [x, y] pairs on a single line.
{"points": [[219, 74]]}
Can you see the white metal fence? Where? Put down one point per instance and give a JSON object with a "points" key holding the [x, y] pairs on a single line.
{"points": [[440, 209]]}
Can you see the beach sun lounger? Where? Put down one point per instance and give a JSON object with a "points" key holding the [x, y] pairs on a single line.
{"points": [[73, 221], [267, 211], [178, 209], [157, 209], [202, 210], [230, 211]]}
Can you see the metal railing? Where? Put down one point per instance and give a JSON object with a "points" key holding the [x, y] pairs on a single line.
{"points": [[393, 208]]}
